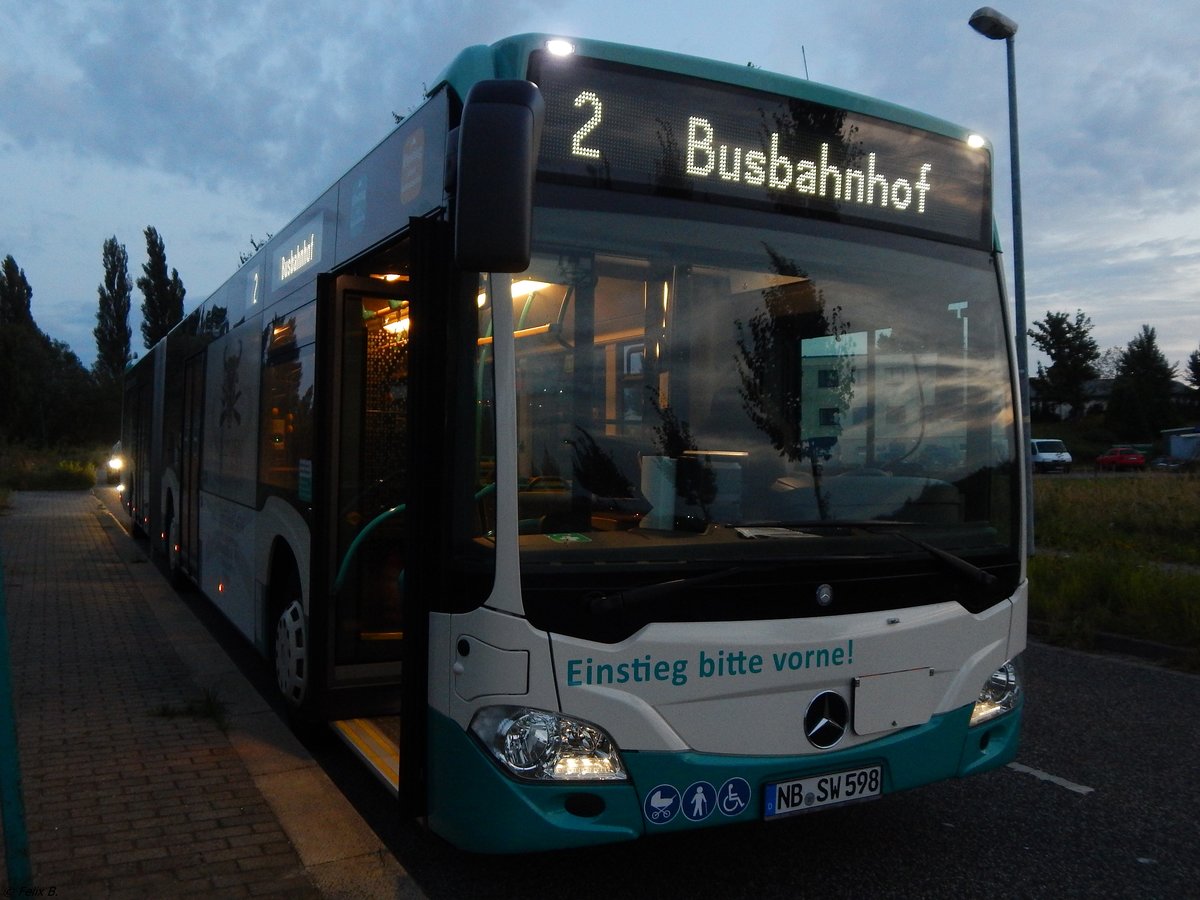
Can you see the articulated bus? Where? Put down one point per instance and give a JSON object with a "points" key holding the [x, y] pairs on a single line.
{"points": [[627, 444]]}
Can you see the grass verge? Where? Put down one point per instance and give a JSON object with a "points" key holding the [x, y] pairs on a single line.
{"points": [[1075, 598], [1154, 516], [1118, 555]]}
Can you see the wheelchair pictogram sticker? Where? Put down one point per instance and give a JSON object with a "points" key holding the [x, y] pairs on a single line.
{"points": [[734, 796]]}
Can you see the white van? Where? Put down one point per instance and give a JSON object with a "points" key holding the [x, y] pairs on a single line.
{"points": [[1050, 456]]}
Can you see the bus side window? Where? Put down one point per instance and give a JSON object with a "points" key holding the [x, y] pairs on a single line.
{"points": [[286, 439]]}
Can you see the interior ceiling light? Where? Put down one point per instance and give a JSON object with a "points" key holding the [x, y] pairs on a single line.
{"points": [[527, 287], [399, 325]]}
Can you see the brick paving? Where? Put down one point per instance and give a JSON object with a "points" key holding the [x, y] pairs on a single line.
{"points": [[130, 788]]}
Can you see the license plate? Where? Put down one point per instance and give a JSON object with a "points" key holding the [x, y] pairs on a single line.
{"points": [[799, 795]]}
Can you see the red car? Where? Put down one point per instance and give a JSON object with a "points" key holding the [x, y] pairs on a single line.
{"points": [[1121, 458]]}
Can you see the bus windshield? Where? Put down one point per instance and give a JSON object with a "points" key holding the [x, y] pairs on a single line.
{"points": [[696, 390]]}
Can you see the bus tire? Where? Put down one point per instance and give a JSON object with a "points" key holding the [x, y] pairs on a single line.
{"points": [[291, 655]]}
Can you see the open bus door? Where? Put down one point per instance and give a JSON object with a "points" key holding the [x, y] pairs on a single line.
{"points": [[361, 544], [383, 532], [381, 549]]}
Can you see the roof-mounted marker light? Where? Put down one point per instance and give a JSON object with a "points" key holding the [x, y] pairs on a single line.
{"points": [[976, 141], [559, 47]]}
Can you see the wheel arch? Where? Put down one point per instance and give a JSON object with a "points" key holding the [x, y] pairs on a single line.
{"points": [[283, 536], [168, 509]]}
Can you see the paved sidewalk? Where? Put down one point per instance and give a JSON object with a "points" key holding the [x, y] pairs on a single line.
{"points": [[132, 787]]}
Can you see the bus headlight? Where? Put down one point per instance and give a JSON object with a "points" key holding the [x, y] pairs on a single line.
{"points": [[999, 695], [538, 745]]}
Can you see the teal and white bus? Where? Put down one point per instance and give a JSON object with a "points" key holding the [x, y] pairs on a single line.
{"points": [[627, 444]]}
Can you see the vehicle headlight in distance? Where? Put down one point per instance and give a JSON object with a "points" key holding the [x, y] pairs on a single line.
{"points": [[537, 745], [999, 695]]}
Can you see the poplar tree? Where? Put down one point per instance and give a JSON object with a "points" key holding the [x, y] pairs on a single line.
{"points": [[18, 352], [163, 306], [15, 294], [47, 397], [112, 331]]}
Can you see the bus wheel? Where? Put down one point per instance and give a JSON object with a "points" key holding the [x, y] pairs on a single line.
{"points": [[291, 655]]}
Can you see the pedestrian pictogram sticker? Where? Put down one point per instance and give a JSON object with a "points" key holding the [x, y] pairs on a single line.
{"points": [[699, 800]]}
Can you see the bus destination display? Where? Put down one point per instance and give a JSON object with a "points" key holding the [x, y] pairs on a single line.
{"points": [[623, 128]]}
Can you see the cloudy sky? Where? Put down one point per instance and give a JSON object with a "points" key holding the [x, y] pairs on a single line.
{"points": [[216, 121]]}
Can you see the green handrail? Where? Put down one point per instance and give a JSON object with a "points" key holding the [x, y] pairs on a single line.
{"points": [[16, 838], [344, 570]]}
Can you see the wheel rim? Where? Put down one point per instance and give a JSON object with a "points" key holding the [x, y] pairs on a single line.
{"points": [[291, 654]]}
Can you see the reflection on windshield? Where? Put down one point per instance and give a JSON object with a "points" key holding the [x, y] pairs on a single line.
{"points": [[673, 377]]}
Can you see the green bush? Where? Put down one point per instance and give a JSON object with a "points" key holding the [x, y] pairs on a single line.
{"points": [[1117, 555], [22, 469]]}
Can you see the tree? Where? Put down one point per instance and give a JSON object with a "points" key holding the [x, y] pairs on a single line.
{"points": [[1193, 369], [1110, 359], [1141, 396], [17, 351], [112, 331], [1073, 355], [163, 306], [16, 295], [47, 397], [245, 257], [771, 369]]}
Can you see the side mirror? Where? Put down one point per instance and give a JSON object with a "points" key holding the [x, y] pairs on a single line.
{"points": [[498, 141]]}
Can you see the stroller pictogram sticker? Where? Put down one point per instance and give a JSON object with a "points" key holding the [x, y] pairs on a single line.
{"points": [[661, 804]]}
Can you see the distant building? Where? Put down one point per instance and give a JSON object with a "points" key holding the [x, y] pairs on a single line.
{"points": [[1097, 394], [1182, 443]]}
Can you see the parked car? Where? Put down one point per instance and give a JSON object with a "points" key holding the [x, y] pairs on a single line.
{"points": [[1121, 458], [1050, 456]]}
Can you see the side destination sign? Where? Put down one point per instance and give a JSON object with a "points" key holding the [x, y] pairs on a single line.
{"points": [[300, 252], [622, 128]]}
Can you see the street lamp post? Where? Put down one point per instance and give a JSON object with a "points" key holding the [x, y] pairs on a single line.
{"points": [[997, 26]]}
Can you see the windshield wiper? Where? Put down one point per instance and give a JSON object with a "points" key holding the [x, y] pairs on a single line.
{"points": [[615, 602], [955, 564], [867, 524], [605, 603]]}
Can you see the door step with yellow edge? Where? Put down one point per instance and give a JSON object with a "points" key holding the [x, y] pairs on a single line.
{"points": [[377, 743]]}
